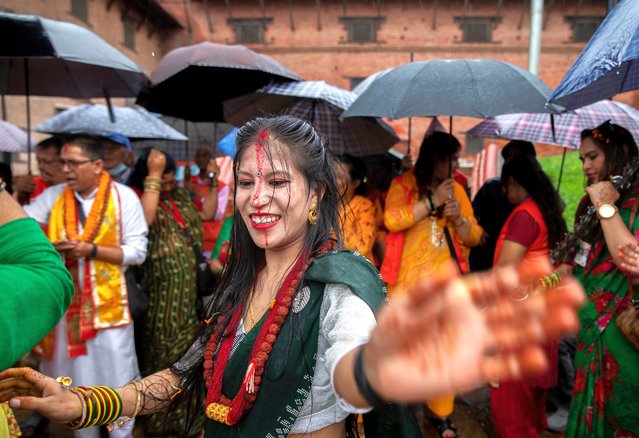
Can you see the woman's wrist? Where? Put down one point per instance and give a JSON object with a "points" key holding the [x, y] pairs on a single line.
{"points": [[363, 383], [460, 221]]}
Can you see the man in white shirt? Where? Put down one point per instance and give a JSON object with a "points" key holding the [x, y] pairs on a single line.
{"points": [[98, 227]]}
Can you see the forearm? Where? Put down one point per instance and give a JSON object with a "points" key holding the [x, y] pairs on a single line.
{"points": [[150, 395], [110, 254], [344, 380], [150, 200], [616, 234], [209, 205], [10, 210]]}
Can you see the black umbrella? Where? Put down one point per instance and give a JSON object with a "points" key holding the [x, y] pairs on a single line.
{"points": [[45, 57], [452, 87], [191, 82]]}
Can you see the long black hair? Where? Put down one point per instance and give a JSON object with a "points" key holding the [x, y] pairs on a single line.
{"points": [[435, 147], [526, 171], [619, 149], [298, 145], [357, 172]]}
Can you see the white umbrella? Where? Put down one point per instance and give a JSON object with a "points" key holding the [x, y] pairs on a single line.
{"points": [[12, 138], [135, 123]]}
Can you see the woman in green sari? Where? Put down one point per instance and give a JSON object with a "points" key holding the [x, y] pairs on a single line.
{"points": [[293, 342], [605, 402]]}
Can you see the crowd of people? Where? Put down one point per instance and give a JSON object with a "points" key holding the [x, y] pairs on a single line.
{"points": [[332, 298]]}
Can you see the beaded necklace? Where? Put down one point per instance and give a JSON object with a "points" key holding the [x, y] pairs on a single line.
{"points": [[94, 219], [219, 407]]}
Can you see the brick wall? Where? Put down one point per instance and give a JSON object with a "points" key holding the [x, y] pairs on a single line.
{"points": [[102, 20], [314, 44]]}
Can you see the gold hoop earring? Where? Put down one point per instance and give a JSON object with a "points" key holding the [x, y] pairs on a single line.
{"points": [[312, 214]]}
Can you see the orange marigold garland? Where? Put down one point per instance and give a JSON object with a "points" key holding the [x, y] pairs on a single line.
{"points": [[94, 219], [219, 407]]}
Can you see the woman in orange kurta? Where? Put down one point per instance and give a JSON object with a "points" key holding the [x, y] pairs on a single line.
{"points": [[525, 241], [358, 215], [419, 204]]}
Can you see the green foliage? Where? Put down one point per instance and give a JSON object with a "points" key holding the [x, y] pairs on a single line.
{"points": [[572, 184]]}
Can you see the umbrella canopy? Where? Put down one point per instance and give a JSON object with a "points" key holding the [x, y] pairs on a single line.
{"points": [[61, 59], [135, 123], [538, 127], [454, 87], [608, 65], [12, 138], [191, 82], [321, 104]]}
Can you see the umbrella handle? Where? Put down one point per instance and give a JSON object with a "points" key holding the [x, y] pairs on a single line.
{"points": [[107, 97]]}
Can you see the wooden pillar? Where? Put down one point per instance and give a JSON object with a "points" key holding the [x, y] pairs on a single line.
{"points": [[319, 18], [290, 15], [524, 8], [209, 22], [435, 7], [229, 12]]}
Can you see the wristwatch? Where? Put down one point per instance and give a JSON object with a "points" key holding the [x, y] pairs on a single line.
{"points": [[606, 211], [94, 251]]}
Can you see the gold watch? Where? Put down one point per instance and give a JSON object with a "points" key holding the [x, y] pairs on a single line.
{"points": [[606, 211]]}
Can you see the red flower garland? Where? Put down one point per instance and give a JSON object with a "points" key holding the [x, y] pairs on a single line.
{"points": [[219, 407]]}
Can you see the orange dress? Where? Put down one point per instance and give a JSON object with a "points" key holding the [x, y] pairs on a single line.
{"points": [[360, 226], [420, 256]]}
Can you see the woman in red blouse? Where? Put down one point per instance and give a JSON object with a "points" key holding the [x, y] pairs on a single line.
{"points": [[525, 241]]}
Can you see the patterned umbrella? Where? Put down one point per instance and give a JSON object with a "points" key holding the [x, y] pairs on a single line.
{"points": [[537, 127], [135, 123], [321, 104], [12, 138]]}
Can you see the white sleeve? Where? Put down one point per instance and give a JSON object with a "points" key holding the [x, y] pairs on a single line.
{"points": [[134, 227], [347, 325], [40, 207]]}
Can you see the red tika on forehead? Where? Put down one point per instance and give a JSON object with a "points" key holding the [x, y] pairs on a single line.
{"points": [[262, 134]]}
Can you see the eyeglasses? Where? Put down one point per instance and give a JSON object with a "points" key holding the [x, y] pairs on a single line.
{"points": [[44, 162], [74, 164]]}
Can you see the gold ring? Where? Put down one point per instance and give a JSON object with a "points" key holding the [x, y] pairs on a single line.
{"points": [[64, 381]]}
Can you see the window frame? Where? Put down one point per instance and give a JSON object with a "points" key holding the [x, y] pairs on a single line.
{"points": [[239, 23], [81, 13], [575, 20], [374, 23], [127, 21], [490, 22]]}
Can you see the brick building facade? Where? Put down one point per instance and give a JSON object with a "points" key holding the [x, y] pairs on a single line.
{"points": [[338, 41]]}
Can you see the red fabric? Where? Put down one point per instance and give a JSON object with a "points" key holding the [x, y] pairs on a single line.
{"points": [[519, 409], [460, 178], [40, 186], [523, 229], [394, 246]]}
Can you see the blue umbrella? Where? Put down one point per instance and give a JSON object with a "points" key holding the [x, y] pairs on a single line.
{"points": [[135, 123], [608, 65], [227, 144]]}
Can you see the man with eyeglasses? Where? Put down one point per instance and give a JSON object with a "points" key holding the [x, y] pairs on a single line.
{"points": [[47, 152], [98, 226]]}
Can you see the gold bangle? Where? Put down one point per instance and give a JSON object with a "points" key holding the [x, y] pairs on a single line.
{"points": [[77, 424], [463, 221], [153, 179]]}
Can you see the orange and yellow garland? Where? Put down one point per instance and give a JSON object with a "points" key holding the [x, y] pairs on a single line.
{"points": [[94, 219]]}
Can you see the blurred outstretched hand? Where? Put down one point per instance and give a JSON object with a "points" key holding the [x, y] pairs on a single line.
{"points": [[451, 334]]}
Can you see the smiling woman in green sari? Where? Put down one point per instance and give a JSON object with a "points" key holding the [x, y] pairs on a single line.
{"points": [[291, 345]]}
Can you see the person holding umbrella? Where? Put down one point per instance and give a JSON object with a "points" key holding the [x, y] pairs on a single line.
{"points": [[290, 345], [429, 217]]}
